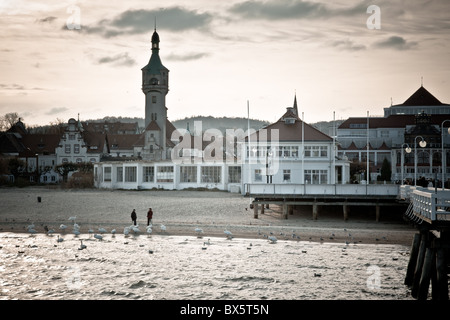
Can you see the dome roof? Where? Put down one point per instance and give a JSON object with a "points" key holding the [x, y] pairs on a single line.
{"points": [[155, 37]]}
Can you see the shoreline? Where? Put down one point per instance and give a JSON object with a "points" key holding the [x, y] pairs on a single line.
{"points": [[182, 211]]}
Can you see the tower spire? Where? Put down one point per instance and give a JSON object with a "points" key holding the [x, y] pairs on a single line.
{"points": [[295, 104]]}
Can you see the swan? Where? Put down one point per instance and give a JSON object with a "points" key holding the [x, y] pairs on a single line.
{"points": [[59, 239], [76, 232], [102, 230], [272, 239], [76, 226], [82, 246], [51, 231], [63, 227], [32, 231], [31, 226], [98, 236]]}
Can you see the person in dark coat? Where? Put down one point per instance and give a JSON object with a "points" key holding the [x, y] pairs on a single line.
{"points": [[134, 216], [149, 216]]}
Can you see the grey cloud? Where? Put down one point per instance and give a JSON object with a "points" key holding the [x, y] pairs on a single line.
{"points": [[293, 9], [348, 45], [122, 59], [54, 111], [18, 87], [396, 43], [187, 56], [142, 21], [46, 19]]}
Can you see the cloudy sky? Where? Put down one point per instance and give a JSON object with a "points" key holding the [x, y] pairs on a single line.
{"points": [[61, 58]]}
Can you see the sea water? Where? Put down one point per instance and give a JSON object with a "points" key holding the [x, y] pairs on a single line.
{"points": [[160, 267]]}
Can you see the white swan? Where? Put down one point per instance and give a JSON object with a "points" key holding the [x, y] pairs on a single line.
{"points": [[59, 239], [135, 229], [82, 246]]}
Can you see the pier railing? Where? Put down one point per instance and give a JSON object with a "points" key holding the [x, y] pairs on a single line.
{"points": [[322, 189], [430, 204]]}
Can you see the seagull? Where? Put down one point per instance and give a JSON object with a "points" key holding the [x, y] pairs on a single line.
{"points": [[229, 234], [163, 228], [72, 219], [31, 226], [51, 231], [82, 246], [198, 230], [32, 231], [63, 227], [113, 231], [126, 231], [76, 226], [149, 230], [90, 231], [102, 230], [135, 229], [98, 236], [76, 232], [272, 239]]}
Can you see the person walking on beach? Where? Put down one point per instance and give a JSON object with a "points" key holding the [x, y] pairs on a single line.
{"points": [[149, 216], [134, 216]]}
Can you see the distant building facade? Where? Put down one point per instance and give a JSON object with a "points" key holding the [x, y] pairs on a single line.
{"points": [[421, 116]]}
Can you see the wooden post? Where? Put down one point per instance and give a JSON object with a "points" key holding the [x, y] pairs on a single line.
{"points": [[419, 264], [377, 213], [285, 210], [441, 275], [262, 208], [345, 209], [424, 282], [315, 211], [255, 210], [267, 206], [412, 260], [291, 209]]}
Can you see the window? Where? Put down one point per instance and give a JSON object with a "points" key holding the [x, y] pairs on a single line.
{"points": [[107, 174], [258, 175], [67, 148], [164, 174], [76, 148], [211, 174], [294, 152], [153, 99], [316, 151], [148, 174], [316, 176], [234, 174], [71, 136], [119, 174], [287, 175], [130, 174], [188, 174]]}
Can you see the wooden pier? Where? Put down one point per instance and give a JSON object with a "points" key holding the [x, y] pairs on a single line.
{"points": [[429, 262], [289, 196]]}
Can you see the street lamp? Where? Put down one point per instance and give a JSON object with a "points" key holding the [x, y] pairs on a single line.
{"points": [[403, 157], [443, 159], [422, 144]]}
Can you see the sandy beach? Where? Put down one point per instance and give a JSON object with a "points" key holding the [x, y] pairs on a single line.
{"points": [[183, 211]]}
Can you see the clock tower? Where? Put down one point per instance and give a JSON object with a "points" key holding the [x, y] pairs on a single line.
{"points": [[155, 86]]}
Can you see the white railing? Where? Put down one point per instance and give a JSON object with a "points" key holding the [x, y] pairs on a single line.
{"points": [[322, 189], [430, 204]]}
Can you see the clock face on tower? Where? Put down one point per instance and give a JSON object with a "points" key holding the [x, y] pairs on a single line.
{"points": [[154, 81]]}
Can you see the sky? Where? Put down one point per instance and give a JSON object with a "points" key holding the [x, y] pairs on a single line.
{"points": [[68, 59]]}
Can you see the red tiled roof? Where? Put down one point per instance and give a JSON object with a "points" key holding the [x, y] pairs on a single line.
{"points": [[290, 132]]}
